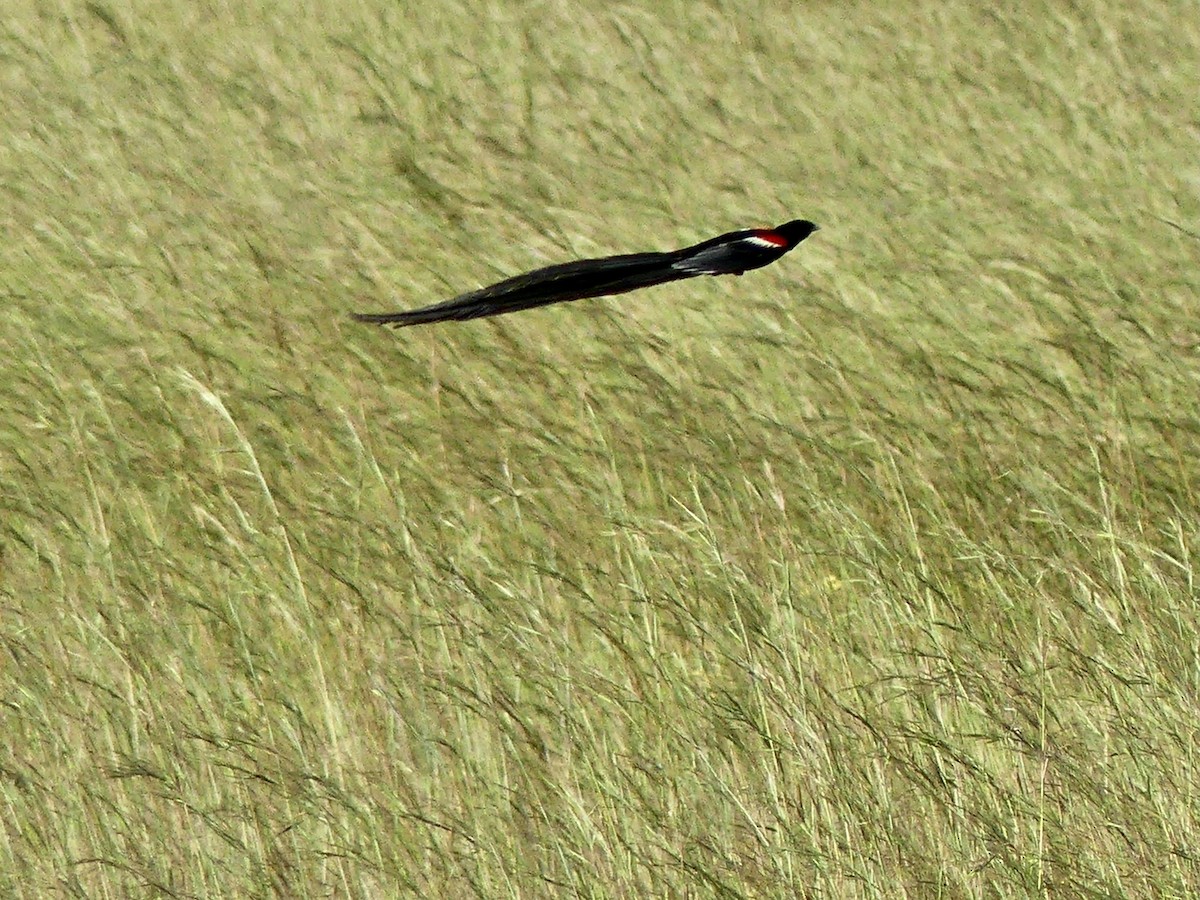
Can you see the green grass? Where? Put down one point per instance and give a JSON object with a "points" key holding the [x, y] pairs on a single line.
{"points": [[870, 574]]}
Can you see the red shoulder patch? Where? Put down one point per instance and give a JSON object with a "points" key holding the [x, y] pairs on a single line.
{"points": [[766, 236]]}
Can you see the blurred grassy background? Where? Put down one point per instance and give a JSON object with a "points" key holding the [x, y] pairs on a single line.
{"points": [[868, 574]]}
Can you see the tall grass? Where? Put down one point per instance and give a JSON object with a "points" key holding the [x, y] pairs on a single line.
{"points": [[869, 574]]}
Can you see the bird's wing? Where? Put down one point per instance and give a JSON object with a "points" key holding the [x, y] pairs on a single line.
{"points": [[553, 284], [718, 256]]}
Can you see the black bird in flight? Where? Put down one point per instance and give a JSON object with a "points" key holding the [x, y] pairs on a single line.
{"points": [[729, 254]]}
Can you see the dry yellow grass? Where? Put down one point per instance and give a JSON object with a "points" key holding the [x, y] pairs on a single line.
{"points": [[870, 574]]}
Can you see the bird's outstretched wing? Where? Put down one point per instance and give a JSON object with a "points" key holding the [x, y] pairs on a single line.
{"points": [[553, 284], [729, 254]]}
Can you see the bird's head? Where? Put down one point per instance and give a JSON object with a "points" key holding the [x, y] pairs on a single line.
{"points": [[796, 230]]}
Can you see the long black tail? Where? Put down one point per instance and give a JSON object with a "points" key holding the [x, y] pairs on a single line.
{"points": [[553, 284]]}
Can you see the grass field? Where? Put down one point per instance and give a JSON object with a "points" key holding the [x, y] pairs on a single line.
{"points": [[870, 574]]}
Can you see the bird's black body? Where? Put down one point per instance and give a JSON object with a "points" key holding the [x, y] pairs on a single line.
{"points": [[729, 254]]}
